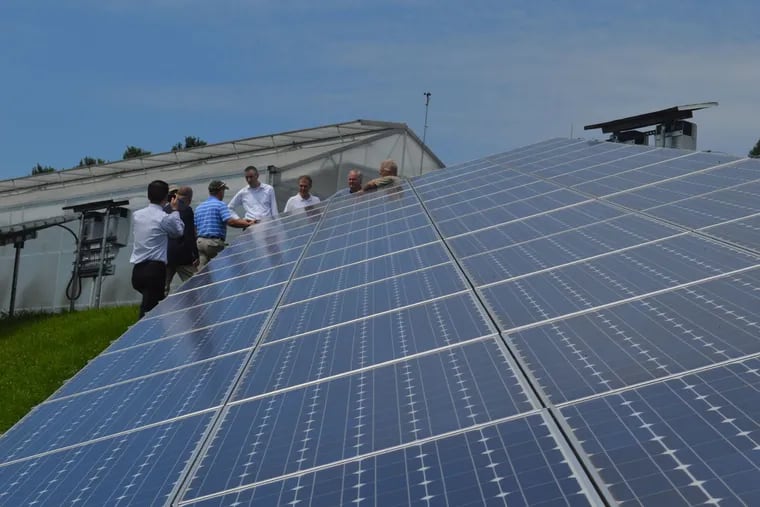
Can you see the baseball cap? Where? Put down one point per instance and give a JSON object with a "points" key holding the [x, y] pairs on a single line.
{"points": [[217, 185]]}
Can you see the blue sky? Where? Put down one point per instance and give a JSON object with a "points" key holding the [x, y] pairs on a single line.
{"points": [[89, 77]]}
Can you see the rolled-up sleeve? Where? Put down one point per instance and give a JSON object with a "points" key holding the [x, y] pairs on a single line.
{"points": [[173, 225]]}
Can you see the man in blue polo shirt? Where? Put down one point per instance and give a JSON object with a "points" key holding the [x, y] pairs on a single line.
{"points": [[211, 220]]}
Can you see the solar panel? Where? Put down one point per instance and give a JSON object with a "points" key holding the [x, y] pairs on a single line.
{"points": [[568, 323]]}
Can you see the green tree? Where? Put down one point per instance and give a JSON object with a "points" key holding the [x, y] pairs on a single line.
{"points": [[41, 169], [190, 142], [88, 161], [134, 152], [755, 152], [193, 142]]}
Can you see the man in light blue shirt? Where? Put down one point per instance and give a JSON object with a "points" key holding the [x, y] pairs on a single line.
{"points": [[211, 220], [257, 199], [152, 227]]}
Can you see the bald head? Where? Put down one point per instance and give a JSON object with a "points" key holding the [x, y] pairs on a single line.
{"points": [[354, 180]]}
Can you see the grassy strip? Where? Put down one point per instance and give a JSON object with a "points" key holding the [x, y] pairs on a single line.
{"points": [[38, 352]]}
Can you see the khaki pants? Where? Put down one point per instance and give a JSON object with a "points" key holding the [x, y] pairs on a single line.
{"points": [[184, 272], [208, 248]]}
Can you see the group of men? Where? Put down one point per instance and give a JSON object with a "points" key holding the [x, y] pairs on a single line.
{"points": [[170, 238]]}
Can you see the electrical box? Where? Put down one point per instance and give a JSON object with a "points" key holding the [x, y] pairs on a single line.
{"points": [[117, 232]]}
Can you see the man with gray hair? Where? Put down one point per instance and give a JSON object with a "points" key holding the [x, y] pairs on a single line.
{"points": [[182, 252], [354, 183], [388, 176]]}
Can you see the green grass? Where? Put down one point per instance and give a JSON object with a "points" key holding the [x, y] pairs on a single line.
{"points": [[38, 352]]}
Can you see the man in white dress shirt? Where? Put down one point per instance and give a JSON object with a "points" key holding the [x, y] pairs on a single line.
{"points": [[303, 198], [152, 227], [257, 199]]}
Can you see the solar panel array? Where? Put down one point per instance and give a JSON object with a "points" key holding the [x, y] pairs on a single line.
{"points": [[569, 323]]}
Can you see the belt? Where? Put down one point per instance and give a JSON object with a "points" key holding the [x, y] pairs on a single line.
{"points": [[210, 237]]}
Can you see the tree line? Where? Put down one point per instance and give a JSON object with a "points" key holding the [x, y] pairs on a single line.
{"points": [[129, 152]]}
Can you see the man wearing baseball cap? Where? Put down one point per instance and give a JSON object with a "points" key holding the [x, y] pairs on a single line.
{"points": [[211, 220]]}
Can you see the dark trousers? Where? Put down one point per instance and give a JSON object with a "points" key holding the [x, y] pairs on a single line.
{"points": [[149, 279]]}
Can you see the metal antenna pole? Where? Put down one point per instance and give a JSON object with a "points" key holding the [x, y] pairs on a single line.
{"points": [[424, 130]]}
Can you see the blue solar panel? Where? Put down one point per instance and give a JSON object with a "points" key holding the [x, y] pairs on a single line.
{"points": [[368, 411], [673, 168], [139, 468], [312, 285], [360, 344], [121, 364], [688, 441], [442, 209], [745, 232], [551, 158], [358, 302], [646, 339], [516, 463], [611, 278], [574, 245], [383, 245], [95, 414], [517, 231], [224, 289], [390, 216], [633, 159], [713, 208], [362, 236], [351, 353], [510, 211]]}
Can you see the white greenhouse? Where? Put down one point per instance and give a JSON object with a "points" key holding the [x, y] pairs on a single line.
{"points": [[32, 207]]}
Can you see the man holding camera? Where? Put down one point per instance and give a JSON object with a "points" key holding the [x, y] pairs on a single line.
{"points": [[182, 252]]}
